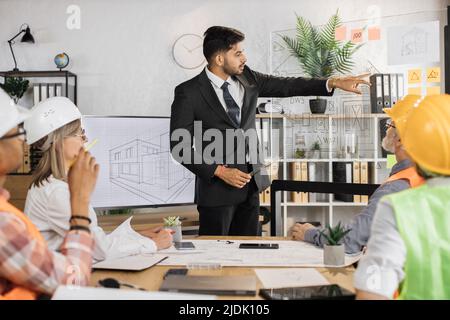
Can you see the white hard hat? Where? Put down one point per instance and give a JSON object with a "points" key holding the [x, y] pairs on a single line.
{"points": [[11, 114], [48, 116]]}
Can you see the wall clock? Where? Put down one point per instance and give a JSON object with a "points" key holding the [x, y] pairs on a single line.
{"points": [[187, 51]]}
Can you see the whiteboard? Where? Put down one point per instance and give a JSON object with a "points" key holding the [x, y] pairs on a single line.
{"points": [[136, 167]]}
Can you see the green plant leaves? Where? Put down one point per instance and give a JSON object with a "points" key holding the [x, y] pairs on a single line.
{"points": [[15, 87], [172, 221], [334, 235], [318, 51]]}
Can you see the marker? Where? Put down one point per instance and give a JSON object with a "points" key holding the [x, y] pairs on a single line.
{"points": [[90, 145]]}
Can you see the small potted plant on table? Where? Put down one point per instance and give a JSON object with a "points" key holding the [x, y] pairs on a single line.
{"points": [[334, 250], [174, 223]]}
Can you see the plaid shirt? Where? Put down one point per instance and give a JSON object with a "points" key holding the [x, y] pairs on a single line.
{"points": [[27, 262]]}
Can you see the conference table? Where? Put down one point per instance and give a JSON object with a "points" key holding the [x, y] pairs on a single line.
{"points": [[152, 278]]}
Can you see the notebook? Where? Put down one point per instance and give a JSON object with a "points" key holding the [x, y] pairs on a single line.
{"points": [[131, 263], [217, 285]]}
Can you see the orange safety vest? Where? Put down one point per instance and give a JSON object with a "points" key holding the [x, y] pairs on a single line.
{"points": [[410, 174], [414, 179], [18, 292]]}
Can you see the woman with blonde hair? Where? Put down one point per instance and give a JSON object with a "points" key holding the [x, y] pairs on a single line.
{"points": [[55, 128]]}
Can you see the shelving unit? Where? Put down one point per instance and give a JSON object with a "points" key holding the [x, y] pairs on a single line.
{"points": [[66, 75], [330, 211]]}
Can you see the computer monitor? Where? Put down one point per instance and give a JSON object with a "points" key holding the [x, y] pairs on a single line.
{"points": [[136, 167]]}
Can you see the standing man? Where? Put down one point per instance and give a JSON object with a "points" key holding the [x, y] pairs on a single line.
{"points": [[223, 97]]}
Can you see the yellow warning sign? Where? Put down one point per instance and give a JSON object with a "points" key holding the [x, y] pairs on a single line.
{"points": [[415, 91], [431, 91], [415, 76], [434, 74]]}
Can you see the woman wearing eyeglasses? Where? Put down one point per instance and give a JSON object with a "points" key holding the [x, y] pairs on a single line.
{"points": [[28, 268], [55, 128]]}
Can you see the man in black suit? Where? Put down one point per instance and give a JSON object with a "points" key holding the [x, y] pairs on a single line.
{"points": [[220, 100]]}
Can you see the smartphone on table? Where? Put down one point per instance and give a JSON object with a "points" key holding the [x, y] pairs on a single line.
{"points": [[184, 245], [258, 246], [178, 272], [326, 292]]}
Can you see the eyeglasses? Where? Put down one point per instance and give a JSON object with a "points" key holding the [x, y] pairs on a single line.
{"points": [[113, 283], [21, 132], [389, 124], [81, 135]]}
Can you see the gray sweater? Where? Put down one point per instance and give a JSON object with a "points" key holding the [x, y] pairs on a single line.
{"points": [[360, 224]]}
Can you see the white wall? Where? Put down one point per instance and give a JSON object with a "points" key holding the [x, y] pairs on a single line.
{"points": [[122, 53]]}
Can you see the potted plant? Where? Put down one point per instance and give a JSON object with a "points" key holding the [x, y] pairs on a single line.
{"points": [[300, 153], [334, 250], [320, 54], [174, 223], [315, 149], [15, 87]]}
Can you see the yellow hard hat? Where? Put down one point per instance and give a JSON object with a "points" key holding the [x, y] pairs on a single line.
{"points": [[426, 135], [400, 111], [402, 107]]}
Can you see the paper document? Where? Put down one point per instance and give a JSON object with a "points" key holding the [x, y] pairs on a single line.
{"points": [[90, 293], [290, 277], [227, 253], [133, 263]]}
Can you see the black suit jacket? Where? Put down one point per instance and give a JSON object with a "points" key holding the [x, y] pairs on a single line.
{"points": [[196, 100]]}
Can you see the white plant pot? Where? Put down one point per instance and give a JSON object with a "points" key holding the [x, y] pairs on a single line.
{"points": [[177, 236], [334, 255]]}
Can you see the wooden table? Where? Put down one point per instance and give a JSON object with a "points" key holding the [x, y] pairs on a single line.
{"points": [[151, 278]]}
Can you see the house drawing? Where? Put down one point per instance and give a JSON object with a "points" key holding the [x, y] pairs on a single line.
{"points": [[414, 42], [146, 169]]}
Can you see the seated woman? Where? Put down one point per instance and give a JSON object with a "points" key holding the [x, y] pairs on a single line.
{"points": [[28, 268], [55, 128]]}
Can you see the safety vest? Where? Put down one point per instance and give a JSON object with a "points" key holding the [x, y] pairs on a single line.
{"points": [[414, 180], [18, 292], [410, 174], [423, 221]]}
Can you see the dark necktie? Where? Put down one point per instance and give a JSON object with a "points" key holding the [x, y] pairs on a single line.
{"points": [[232, 107]]}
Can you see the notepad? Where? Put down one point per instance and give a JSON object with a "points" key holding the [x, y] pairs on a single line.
{"points": [[88, 293], [131, 263], [290, 277]]}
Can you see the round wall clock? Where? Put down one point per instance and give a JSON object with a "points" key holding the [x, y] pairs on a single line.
{"points": [[187, 51]]}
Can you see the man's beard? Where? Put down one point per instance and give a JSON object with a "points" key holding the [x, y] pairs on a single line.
{"points": [[388, 144], [232, 72]]}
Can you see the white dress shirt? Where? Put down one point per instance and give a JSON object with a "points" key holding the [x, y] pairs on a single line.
{"points": [[48, 207], [235, 88]]}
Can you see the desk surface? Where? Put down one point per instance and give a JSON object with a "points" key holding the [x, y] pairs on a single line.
{"points": [[151, 278]]}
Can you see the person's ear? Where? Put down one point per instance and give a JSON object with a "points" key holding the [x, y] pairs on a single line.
{"points": [[219, 59]]}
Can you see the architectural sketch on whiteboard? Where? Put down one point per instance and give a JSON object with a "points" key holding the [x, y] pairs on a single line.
{"points": [[145, 169], [136, 166], [414, 42]]}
